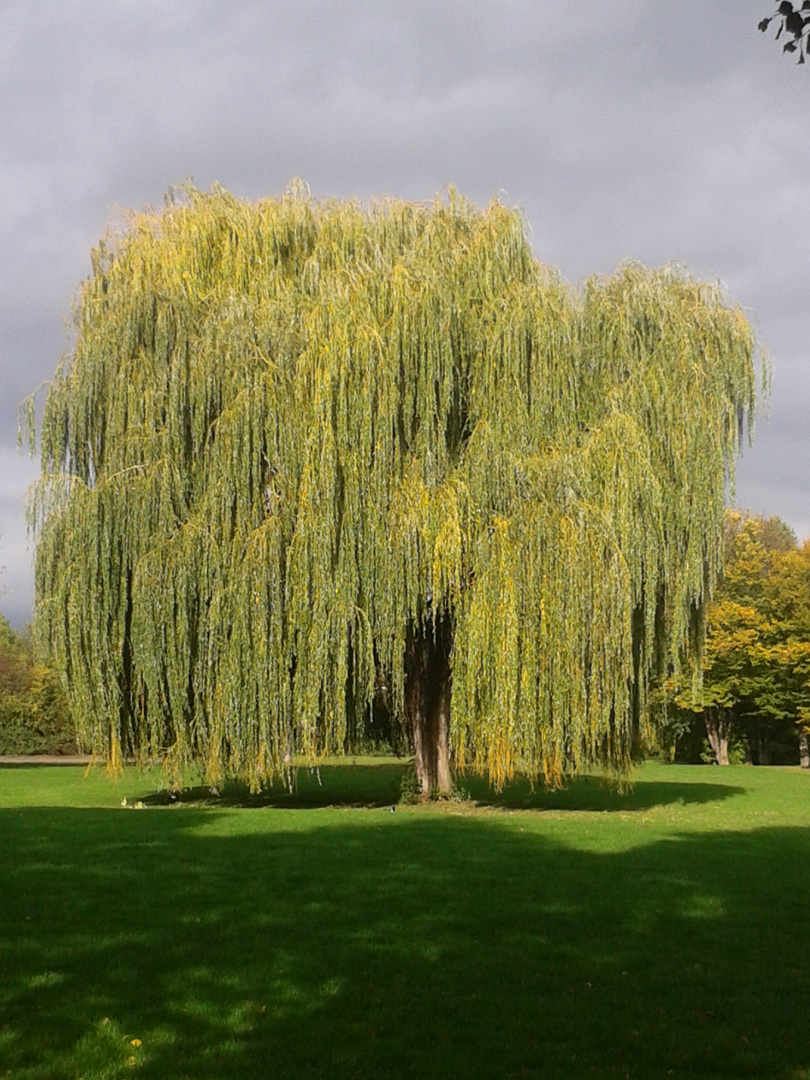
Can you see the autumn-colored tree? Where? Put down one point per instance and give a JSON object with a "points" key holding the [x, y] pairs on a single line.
{"points": [[756, 663], [304, 447], [732, 672], [786, 601]]}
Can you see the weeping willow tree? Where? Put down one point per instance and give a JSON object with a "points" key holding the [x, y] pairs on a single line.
{"points": [[300, 448]]}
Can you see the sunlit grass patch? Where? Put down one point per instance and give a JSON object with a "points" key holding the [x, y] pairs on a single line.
{"points": [[589, 932]]}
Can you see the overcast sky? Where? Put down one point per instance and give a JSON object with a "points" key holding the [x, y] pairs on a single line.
{"points": [[640, 129]]}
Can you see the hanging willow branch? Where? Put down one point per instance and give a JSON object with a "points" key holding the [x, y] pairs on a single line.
{"points": [[290, 430]]}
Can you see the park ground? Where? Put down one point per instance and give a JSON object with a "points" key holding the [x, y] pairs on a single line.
{"points": [[658, 931]]}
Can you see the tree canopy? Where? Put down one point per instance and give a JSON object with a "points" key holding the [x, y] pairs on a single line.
{"points": [[303, 448]]}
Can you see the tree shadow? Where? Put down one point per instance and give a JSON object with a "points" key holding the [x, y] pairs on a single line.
{"points": [[402, 945], [44, 762], [353, 786], [380, 785], [600, 794]]}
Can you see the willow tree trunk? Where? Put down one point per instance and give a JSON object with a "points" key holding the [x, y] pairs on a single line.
{"points": [[718, 729], [427, 703]]}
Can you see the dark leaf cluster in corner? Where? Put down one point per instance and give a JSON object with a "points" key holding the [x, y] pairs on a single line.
{"points": [[795, 23]]}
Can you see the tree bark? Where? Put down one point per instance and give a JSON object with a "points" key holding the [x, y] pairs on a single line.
{"points": [[804, 750], [718, 729], [428, 683]]}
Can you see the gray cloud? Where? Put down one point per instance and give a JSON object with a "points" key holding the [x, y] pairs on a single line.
{"points": [[623, 130], [16, 568]]}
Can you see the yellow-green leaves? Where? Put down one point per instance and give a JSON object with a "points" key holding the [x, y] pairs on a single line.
{"points": [[293, 429]]}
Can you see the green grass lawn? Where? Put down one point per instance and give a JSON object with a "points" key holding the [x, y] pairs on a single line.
{"points": [[586, 933]]}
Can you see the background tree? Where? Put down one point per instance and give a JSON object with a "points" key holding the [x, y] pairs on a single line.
{"points": [[794, 23], [303, 447], [786, 600], [732, 661], [34, 717], [756, 663]]}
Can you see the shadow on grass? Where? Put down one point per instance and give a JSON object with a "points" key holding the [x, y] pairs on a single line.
{"points": [[43, 761], [378, 786], [402, 945]]}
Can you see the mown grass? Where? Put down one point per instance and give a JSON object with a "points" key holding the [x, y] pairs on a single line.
{"points": [[653, 933]]}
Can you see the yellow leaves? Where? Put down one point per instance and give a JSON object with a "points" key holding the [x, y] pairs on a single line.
{"points": [[758, 635], [448, 546]]}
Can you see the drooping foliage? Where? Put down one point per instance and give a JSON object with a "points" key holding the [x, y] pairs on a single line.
{"points": [[291, 431]]}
